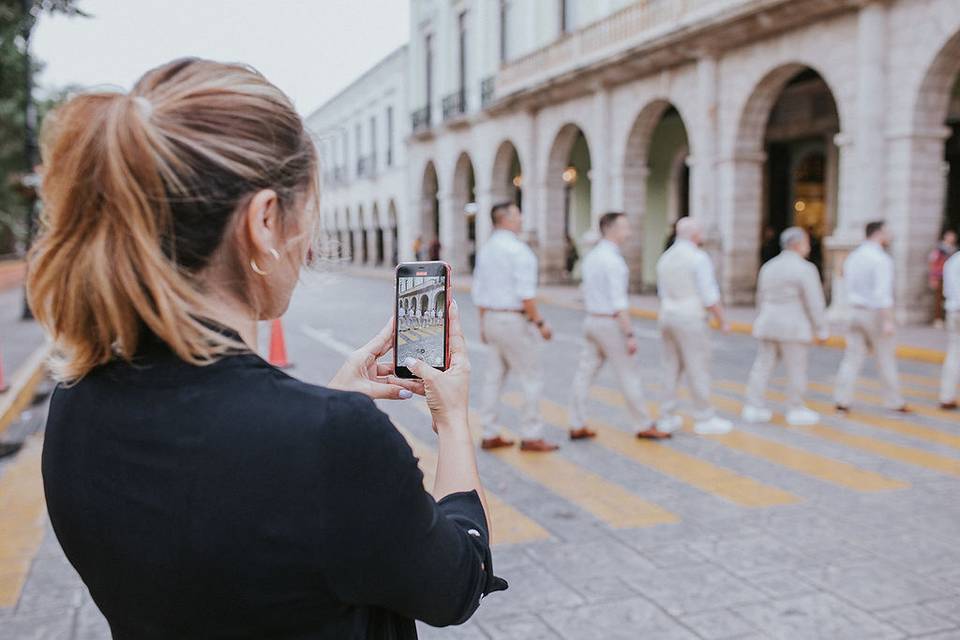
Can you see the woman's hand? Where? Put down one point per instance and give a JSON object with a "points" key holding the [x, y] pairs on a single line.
{"points": [[448, 392], [361, 372]]}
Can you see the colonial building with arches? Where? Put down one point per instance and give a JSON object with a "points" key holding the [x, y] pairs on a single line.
{"points": [[750, 115], [360, 135]]}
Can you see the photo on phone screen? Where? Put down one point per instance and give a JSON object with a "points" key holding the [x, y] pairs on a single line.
{"points": [[421, 314]]}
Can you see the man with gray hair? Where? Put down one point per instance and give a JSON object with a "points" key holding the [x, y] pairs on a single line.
{"points": [[790, 299], [688, 294]]}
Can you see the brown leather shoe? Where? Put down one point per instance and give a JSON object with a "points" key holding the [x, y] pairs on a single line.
{"points": [[539, 446], [948, 406], [652, 433], [583, 433], [843, 410], [495, 443], [903, 409]]}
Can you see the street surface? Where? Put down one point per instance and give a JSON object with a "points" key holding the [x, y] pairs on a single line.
{"points": [[845, 530]]}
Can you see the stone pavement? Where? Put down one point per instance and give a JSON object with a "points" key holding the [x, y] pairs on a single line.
{"points": [[843, 530]]}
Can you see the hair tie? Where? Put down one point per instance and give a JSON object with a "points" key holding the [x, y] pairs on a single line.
{"points": [[144, 105]]}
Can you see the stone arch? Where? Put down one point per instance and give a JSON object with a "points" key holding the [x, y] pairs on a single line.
{"points": [[567, 218], [656, 185], [764, 190], [429, 244], [460, 244], [506, 175]]}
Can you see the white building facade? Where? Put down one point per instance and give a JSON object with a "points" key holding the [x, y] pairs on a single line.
{"points": [[361, 141], [749, 115]]}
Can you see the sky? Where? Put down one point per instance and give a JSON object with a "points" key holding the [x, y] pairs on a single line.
{"points": [[309, 48]]}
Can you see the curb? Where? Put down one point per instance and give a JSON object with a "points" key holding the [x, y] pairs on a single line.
{"points": [[23, 383], [905, 352]]}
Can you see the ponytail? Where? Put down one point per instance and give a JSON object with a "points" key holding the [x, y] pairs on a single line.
{"points": [[138, 192]]}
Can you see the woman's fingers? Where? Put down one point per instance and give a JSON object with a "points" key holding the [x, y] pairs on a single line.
{"points": [[383, 391], [421, 369], [458, 344], [416, 386]]}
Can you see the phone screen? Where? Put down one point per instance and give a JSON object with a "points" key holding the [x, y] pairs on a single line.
{"points": [[421, 315]]}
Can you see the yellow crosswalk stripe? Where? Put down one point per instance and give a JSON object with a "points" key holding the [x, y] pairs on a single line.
{"points": [[876, 400], [21, 520], [686, 468], [899, 426], [608, 502], [920, 380], [901, 453], [508, 525], [794, 458]]}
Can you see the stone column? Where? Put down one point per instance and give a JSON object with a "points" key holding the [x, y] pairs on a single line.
{"points": [[741, 200], [848, 231], [453, 232], [870, 121], [601, 152], [485, 200], [703, 158], [633, 193]]}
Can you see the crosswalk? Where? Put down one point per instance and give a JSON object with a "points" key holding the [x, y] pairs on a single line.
{"points": [[857, 456], [413, 335]]}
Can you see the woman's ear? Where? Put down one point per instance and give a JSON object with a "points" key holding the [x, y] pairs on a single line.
{"points": [[260, 222]]}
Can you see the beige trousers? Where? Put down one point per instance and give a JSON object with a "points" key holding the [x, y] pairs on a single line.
{"points": [[686, 350], [769, 352], [865, 334], [603, 341], [950, 376], [515, 346]]}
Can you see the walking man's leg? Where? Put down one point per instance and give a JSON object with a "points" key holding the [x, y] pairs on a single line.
{"points": [[591, 359], [672, 370], [850, 365], [950, 376], [763, 367]]}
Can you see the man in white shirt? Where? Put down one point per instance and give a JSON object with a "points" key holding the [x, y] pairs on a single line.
{"points": [[401, 318], [505, 291], [868, 281], [607, 331], [790, 299], [950, 376], [688, 293]]}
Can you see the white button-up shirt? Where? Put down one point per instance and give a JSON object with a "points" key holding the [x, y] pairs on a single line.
{"points": [[686, 283], [951, 282], [606, 278], [506, 273], [868, 277]]}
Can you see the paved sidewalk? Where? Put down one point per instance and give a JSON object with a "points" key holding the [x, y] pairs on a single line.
{"points": [[20, 349]]}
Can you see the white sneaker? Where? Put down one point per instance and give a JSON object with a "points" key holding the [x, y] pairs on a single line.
{"points": [[713, 426], [669, 424], [802, 417], [756, 414]]}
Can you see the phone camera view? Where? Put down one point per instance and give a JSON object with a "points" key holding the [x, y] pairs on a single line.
{"points": [[421, 305]]}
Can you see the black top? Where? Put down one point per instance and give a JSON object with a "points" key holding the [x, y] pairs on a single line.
{"points": [[234, 501]]}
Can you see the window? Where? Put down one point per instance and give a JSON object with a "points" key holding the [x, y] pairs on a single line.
{"points": [[462, 52], [564, 17], [389, 136], [359, 148], [503, 31], [373, 142], [428, 56]]}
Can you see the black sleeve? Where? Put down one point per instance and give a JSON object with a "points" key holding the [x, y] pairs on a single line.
{"points": [[395, 547]]}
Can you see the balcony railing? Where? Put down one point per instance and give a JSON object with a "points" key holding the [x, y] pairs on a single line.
{"points": [[632, 24], [487, 87], [455, 104], [420, 119]]}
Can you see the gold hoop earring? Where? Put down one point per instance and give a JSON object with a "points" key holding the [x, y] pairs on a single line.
{"points": [[256, 269]]}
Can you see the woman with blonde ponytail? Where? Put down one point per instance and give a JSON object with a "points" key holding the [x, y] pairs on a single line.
{"points": [[198, 491]]}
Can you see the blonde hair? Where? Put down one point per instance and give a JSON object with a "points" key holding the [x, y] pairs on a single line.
{"points": [[139, 191]]}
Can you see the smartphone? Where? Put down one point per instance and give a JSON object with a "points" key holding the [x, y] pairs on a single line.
{"points": [[422, 311]]}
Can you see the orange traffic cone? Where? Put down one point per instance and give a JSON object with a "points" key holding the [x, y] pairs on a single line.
{"points": [[278, 346], [3, 382]]}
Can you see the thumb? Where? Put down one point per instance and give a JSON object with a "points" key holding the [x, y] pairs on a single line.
{"points": [[420, 368]]}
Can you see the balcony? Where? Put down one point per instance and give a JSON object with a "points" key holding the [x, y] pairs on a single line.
{"points": [[648, 35], [455, 104], [420, 120], [367, 167], [487, 88]]}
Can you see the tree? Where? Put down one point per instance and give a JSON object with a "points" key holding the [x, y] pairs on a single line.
{"points": [[17, 19]]}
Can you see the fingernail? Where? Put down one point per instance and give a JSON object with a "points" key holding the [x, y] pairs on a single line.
{"points": [[405, 393], [409, 362]]}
